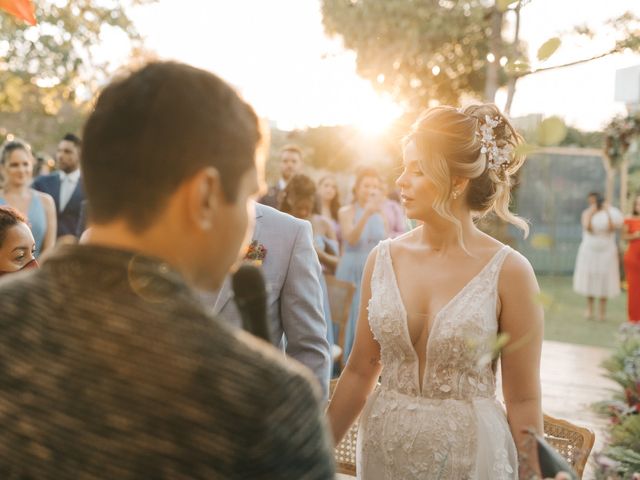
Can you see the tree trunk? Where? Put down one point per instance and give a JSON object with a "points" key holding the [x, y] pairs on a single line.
{"points": [[624, 183], [611, 176], [495, 48], [511, 85]]}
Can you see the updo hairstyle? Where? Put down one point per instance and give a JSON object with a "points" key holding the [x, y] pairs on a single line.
{"points": [[449, 143]]}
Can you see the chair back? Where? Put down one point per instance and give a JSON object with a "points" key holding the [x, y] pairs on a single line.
{"points": [[574, 443], [340, 297]]}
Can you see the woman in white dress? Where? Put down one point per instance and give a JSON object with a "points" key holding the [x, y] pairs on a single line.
{"points": [[432, 304], [597, 272]]}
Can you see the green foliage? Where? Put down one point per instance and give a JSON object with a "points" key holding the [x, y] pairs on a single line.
{"points": [[548, 48], [551, 131], [621, 132], [57, 53], [627, 27], [624, 368], [503, 5], [579, 138], [627, 433], [629, 461], [419, 50]]}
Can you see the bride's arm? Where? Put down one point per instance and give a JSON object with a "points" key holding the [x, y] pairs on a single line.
{"points": [[522, 318], [362, 370]]}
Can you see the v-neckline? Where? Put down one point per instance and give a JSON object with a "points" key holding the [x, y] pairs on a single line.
{"points": [[436, 318]]}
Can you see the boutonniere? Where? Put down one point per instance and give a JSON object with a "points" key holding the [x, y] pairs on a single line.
{"points": [[256, 253]]}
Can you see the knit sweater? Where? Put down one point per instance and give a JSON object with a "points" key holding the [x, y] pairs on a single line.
{"points": [[111, 369]]}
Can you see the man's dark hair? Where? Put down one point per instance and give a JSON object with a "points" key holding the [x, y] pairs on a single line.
{"points": [[70, 137], [291, 147], [157, 127]]}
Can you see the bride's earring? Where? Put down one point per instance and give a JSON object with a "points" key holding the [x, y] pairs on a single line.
{"points": [[455, 194]]}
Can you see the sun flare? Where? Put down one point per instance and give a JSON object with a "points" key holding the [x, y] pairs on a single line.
{"points": [[376, 116]]}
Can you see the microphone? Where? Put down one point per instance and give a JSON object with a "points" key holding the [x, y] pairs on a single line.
{"points": [[250, 296]]}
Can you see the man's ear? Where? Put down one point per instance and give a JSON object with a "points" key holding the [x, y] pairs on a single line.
{"points": [[205, 197]]}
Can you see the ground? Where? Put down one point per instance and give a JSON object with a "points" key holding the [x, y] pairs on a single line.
{"points": [[564, 315]]}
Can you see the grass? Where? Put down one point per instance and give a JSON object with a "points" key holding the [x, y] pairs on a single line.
{"points": [[564, 315]]}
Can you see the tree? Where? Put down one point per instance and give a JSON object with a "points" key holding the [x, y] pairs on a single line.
{"points": [[422, 50], [623, 30], [57, 55]]}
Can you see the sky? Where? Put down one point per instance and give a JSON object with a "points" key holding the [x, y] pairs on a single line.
{"points": [[277, 55]]}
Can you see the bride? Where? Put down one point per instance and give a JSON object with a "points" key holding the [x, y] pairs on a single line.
{"points": [[432, 305]]}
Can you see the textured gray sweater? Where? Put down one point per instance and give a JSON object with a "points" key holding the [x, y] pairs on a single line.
{"points": [[111, 369]]}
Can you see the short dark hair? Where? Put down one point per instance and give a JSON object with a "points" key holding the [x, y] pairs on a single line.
{"points": [[157, 127], [291, 147], [9, 217], [70, 137], [9, 147]]}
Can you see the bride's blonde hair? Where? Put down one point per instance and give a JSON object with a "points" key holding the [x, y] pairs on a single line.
{"points": [[449, 142]]}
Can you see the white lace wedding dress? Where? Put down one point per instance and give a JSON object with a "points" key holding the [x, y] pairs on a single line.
{"points": [[454, 428]]}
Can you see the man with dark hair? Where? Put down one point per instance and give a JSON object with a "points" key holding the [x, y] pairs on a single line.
{"points": [[109, 365], [291, 163], [65, 186]]}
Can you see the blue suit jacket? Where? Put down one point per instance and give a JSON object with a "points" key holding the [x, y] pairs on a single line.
{"points": [[294, 306], [69, 217]]}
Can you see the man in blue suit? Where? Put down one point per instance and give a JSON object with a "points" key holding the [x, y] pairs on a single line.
{"points": [[65, 187]]}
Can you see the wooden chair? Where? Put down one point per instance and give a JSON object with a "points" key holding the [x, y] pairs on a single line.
{"points": [[574, 443], [340, 297]]}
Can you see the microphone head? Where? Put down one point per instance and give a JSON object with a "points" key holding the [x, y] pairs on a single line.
{"points": [[248, 284]]}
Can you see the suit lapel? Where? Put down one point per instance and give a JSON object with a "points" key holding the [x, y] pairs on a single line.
{"points": [[225, 294], [76, 196], [55, 190], [226, 291]]}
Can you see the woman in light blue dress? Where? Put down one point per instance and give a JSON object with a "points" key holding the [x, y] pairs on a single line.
{"points": [[363, 226], [39, 208], [329, 204]]}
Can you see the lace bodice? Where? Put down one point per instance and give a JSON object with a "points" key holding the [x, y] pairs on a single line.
{"points": [[454, 429], [463, 335]]}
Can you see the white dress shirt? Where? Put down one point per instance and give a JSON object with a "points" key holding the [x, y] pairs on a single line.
{"points": [[68, 183]]}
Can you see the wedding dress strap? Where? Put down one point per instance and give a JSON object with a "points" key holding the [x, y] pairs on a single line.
{"points": [[494, 266], [380, 269]]}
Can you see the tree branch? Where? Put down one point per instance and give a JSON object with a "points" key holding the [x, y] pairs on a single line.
{"points": [[570, 64]]}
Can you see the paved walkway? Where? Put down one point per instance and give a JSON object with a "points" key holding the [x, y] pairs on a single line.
{"points": [[572, 380]]}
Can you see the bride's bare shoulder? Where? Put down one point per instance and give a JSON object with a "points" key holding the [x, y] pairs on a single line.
{"points": [[517, 272]]}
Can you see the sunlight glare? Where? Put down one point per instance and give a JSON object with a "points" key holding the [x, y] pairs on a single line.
{"points": [[376, 117]]}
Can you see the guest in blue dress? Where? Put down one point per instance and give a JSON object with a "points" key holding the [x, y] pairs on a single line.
{"points": [[329, 203], [299, 200], [363, 226], [39, 208]]}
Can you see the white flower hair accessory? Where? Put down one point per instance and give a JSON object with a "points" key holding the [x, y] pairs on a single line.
{"points": [[498, 158]]}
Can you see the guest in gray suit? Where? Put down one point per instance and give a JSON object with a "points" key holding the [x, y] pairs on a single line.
{"points": [[292, 273]]}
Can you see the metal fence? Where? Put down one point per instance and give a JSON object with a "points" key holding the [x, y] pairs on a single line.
{"points": [[551, 195]]}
